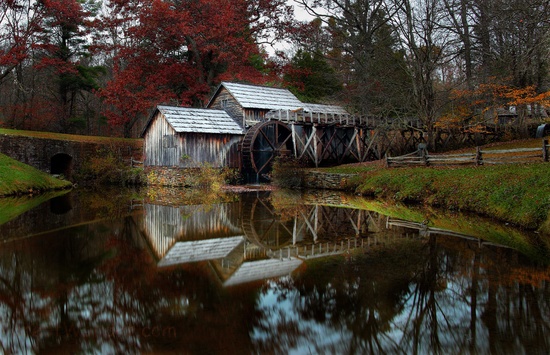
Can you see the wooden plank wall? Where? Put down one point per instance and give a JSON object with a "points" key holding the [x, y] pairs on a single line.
{"points": [[231, 106], [165, 225], [245, 117], [165, 147]]}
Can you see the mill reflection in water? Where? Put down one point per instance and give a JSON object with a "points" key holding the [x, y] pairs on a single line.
{"points": [[271, 246], [256, 275]]}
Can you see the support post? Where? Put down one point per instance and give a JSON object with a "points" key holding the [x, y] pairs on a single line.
{"points": [[294, 140], [315, 143], [479, 156]]}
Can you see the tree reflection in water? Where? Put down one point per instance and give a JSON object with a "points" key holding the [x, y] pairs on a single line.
{"points": [[420, 296], [97, 288]]}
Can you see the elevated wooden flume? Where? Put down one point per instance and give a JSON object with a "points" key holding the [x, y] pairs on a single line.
{"points": [[324, 135]]}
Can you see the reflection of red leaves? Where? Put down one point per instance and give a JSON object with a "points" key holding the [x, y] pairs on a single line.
{"points": [[529, 276], [129, 267]]}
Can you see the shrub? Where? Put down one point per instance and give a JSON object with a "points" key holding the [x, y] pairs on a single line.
{"points": [[208, 177], [106, 168]]}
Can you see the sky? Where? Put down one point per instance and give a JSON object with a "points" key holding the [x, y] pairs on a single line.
{"points": [[299, 12], [301, 15]]}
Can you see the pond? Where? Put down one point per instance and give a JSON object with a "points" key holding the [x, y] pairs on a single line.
{"points": [[265, 273]]}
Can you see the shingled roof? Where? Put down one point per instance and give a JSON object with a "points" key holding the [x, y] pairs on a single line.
{"points": [[197, 120], [261, 97], [200, 250], [327, 109], [262, 269]]}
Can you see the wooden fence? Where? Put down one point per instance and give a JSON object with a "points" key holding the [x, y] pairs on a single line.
{"points": [[481, 157]]}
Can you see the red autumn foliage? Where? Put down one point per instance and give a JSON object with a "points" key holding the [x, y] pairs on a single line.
{"points": [[17, 26], [176, 52]]}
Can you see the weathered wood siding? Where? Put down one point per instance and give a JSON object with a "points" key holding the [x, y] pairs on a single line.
{"points": [[165, 147], [245, 117], [225, 101], [165, 225]]}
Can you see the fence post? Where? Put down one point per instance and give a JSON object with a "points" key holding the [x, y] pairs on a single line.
{"points": [[425, 156], [479, 156], [545, 150], [387, 160], [423, 152]]}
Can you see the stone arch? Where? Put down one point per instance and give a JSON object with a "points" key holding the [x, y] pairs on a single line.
{"points": [[61, 164]]}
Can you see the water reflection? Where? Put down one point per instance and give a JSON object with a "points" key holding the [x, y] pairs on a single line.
{"points": [[416, 297], [192, 279]]}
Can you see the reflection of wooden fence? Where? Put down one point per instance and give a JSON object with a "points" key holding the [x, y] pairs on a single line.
{"points": [[425, 231], [480, 157], [319, 250]]}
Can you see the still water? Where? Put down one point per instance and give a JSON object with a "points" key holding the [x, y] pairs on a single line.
{"points": [[265, 273]]}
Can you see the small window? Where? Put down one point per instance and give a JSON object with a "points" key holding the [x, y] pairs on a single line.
{"points": [[169, 141], [224, 103]]}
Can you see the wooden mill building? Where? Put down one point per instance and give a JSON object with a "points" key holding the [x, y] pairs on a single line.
{"points": [[250, 104], [188, 137], [248, 126]]}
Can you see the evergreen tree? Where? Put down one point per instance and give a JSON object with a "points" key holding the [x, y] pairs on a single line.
{"points": [[311, 78]]}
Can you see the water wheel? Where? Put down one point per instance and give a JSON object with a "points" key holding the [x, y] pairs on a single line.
{"points": [[263, 143], [263, 226]]}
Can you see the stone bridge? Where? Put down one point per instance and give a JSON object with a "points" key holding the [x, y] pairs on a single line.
{"points": [[63, 153]]}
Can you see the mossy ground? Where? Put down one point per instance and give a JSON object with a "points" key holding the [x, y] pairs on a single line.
{"points": [[17, 178]]}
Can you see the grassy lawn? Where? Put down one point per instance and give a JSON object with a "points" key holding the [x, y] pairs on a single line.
{"points": [[67, 137], [515, 193], [17, 178]]}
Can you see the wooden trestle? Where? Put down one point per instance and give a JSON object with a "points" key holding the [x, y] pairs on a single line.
{"points": [[324, 137]]}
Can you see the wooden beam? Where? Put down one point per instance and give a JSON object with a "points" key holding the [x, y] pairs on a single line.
{"points": [[315, 143], [310, 227], [306, 146], [369, 146], [352, 140], [294, 139], [328, 144]]}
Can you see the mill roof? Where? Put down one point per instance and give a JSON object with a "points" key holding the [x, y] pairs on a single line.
{"points": [[197, 120], [261, 97], [328, 109], [262, 269], [200, 250]]}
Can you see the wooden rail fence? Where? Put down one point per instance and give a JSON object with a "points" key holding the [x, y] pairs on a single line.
{"points": [[481, 157], [319, 250]]}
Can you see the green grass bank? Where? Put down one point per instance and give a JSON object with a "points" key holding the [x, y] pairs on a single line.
{"points": [[519, 194], [17, 178], [514, 193]]}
